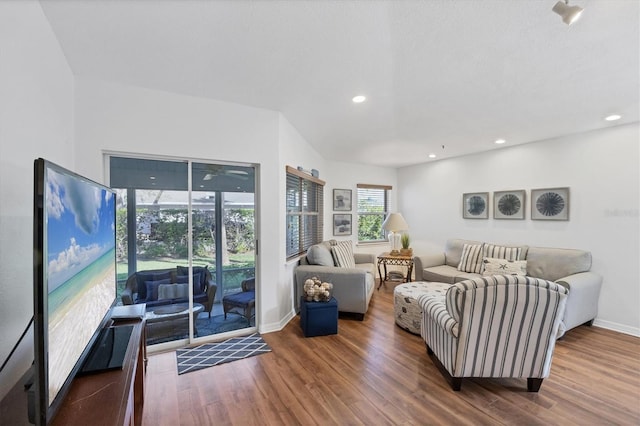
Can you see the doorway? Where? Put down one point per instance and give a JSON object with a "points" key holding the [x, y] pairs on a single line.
{"points": [[195, 220]]}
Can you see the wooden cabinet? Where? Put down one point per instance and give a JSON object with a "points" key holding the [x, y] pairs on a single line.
{"points": [[112, 397], [108, 398]]}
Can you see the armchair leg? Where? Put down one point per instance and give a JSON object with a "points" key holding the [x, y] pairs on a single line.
{"points": [[533, 384], [454, 382], [429, 351]]}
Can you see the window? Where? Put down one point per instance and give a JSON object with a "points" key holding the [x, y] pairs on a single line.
{"points": [[373, 207], [304, 211]]}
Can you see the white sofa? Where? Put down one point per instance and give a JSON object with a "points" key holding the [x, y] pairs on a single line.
{"points": [[569, 267], [352, 287]]}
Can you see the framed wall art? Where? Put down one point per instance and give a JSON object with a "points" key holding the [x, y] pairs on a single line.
{"points": [[342, 224], [475, 205], [509, 204], [342, 200], [550, 204]]}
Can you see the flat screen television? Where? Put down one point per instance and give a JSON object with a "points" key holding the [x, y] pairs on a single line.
{"points": [[74, 278]]}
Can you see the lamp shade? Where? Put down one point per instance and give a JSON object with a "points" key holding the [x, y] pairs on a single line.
{"points": [[569, 14], [394, 223]]}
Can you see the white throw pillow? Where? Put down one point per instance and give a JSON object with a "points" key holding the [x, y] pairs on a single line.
{"points": [[343, 254], [471, 259], [493, 266]]}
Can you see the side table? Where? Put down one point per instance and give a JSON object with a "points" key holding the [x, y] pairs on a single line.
{"points": [[387, 259]]}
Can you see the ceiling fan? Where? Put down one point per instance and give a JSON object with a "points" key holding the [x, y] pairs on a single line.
{"points": [[236, 173]]}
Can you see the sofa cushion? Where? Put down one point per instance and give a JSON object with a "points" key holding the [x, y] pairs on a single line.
{"points": [[499, 266], [369, 267], [471, 259], [197, 282], [152, 288], [320, 254], [343, 254], [143, 277], [446, 274], [173, 291], [202, 270], [502, 252], [555, 263]]}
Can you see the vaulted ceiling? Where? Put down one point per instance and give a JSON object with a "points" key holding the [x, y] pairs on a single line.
{"points": [[447, 77]]}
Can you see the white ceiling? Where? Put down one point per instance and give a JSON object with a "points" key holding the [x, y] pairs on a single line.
{"points": [[456, 74]]}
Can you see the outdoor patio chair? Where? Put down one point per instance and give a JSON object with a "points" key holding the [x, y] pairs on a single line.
{"points": [[244, 300]]}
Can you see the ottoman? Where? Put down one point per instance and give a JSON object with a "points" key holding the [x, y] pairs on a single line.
{"points": [[319, 318], [406, 308]]}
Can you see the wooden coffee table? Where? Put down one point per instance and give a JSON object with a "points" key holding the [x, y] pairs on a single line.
{"points": [[170, 320]]}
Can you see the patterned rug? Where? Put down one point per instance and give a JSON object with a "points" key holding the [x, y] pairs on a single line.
{"points": [[210, 354]]}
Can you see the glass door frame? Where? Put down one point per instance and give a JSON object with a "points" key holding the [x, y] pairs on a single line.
{"points": [[132, 229]]}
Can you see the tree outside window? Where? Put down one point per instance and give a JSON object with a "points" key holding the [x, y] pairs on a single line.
{"points": [[373, 207]]}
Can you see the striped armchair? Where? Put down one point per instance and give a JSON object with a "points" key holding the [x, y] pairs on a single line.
{"points": [[494, 326]]}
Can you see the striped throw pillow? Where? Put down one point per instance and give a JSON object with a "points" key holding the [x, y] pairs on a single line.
{"points": [[343, 254], [471, 259], [502, 252]]}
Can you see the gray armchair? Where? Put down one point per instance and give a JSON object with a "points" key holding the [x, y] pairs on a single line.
{"points": [[352, 287]]}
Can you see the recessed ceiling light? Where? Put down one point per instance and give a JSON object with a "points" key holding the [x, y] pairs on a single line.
{"points": [[613, 117], [359, 99], [500, 141], [432, 156], [152, 177]]}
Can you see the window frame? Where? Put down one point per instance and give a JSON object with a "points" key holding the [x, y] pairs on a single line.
{"points": [[304, 200], [384, 214]]}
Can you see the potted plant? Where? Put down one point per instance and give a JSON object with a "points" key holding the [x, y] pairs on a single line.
{"points": [[406, 250]]}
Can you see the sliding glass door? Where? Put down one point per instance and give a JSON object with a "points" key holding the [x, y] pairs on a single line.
{"points": [[174, 236]]}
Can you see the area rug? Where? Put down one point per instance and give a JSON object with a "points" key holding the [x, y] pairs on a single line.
{"points": [[210, 354]]}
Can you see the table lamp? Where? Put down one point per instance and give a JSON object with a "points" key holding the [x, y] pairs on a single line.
{"points": [[394, 223]]}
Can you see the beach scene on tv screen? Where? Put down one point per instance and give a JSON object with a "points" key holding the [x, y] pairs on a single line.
{"points": [[80, 268]]}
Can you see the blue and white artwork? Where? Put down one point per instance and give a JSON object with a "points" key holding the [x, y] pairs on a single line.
{"points": [[550, 204]]}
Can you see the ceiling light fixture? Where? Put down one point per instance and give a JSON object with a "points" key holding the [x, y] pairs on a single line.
{"points": [[499, 141], [613, 117], [569, 14], [432, 156], [359, 99]]}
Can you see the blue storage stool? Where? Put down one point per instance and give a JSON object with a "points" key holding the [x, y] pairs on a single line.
{"points": [[319, 318]]}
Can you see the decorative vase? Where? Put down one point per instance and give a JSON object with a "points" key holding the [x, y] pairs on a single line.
{"points": [[406, 252]]}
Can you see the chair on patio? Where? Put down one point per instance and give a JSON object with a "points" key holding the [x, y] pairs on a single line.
{"points": [[244, 300]]}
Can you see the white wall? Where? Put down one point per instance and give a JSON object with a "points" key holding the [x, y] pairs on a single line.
{"points": [[119, 118], [342, 175], [601, 169], [294, 151], [36, 120]]}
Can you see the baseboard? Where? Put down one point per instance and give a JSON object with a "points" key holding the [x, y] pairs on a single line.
{"points": [[634, 331], [276, 326]]}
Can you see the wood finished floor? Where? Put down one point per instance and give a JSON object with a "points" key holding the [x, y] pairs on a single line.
{"points": [[374, 373]]}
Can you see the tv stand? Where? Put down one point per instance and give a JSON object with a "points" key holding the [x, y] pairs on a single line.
{"points": [[113, 397]]}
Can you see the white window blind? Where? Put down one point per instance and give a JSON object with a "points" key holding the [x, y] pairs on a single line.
{"points": [[305, 195]]}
